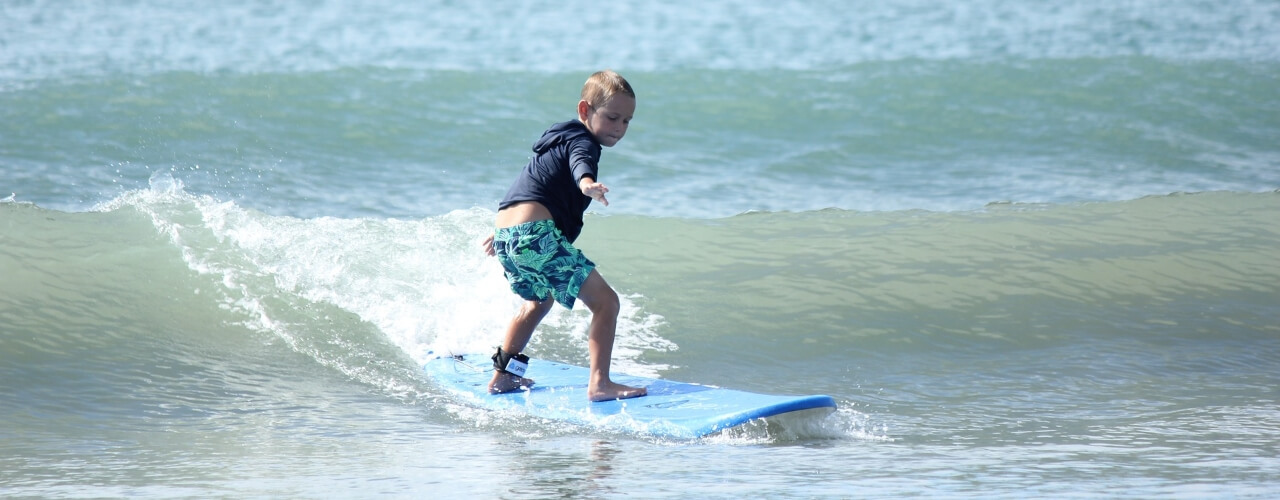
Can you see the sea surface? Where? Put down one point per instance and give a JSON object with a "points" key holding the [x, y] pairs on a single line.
{"points": [[1031, 248]]}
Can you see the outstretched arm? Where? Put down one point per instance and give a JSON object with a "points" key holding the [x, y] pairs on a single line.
{"points": [[593, 189]]}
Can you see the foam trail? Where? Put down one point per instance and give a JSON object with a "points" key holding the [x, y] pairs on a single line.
{"points": [[423, 284]]}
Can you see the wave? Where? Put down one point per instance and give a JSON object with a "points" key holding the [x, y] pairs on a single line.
{"points": [[423, 282], [906, 274], [367, 297], [828, 294]]}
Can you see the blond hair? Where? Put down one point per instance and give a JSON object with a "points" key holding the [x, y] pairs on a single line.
{"points": [[603, 85]]}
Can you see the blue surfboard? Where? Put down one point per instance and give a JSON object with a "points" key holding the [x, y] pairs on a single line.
{"points": [[670, 410]]}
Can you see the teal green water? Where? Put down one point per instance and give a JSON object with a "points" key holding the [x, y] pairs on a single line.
{"points": [[1029, 248], [1022, 348], [946, 135]]}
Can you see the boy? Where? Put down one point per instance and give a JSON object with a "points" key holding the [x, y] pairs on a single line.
{"points": [[538, 220]]}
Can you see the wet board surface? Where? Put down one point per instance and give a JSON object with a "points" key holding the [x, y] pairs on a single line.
{"points": [[671, 409]]}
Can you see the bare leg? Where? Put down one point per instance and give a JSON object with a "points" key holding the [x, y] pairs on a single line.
{"points": [[603, 303], [519, 331]]}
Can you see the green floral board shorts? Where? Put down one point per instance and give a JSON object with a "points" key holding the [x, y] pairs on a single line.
{"points": [[540, 263]]}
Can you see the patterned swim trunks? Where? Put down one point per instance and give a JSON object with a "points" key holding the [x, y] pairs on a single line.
{"points": [[539, 262]]}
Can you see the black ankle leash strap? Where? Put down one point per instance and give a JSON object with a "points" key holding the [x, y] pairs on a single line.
{"points": [[515, 364]]}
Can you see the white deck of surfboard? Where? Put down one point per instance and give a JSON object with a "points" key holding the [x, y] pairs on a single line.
{"points": [[671, 409]]}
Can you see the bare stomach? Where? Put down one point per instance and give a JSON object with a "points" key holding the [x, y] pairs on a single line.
{"points": [[520, 213]]}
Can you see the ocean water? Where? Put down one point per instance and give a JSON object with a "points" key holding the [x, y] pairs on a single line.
{"points": [[1031, 249]]}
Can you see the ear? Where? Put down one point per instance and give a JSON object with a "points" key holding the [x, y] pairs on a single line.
{"points": [[584, 109]]}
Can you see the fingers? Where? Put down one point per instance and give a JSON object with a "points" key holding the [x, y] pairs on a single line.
{"points": [[597, 191], [487, 246]]}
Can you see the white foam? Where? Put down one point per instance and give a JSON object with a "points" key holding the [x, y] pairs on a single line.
{"points": [[425, 284]]}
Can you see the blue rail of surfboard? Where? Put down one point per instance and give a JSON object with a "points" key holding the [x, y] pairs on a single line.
{"points": [[671, 409]]}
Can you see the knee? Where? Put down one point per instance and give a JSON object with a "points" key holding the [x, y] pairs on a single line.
{"points": [[543, 307], [605, 303], [535, 310]]}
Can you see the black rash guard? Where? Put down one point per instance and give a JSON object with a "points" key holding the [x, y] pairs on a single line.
{"points": [[565, 154]]}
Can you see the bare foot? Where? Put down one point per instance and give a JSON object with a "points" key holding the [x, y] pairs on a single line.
{"points": [[506, 382], [609, 391]]}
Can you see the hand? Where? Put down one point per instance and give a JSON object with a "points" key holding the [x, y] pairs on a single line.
{"points": [[594, 189], [487, 245]]}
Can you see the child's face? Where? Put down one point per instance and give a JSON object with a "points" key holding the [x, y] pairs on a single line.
{"points": [[608, 123]]}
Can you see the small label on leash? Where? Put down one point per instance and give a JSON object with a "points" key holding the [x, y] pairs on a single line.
{"points": [[516, 367]]}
